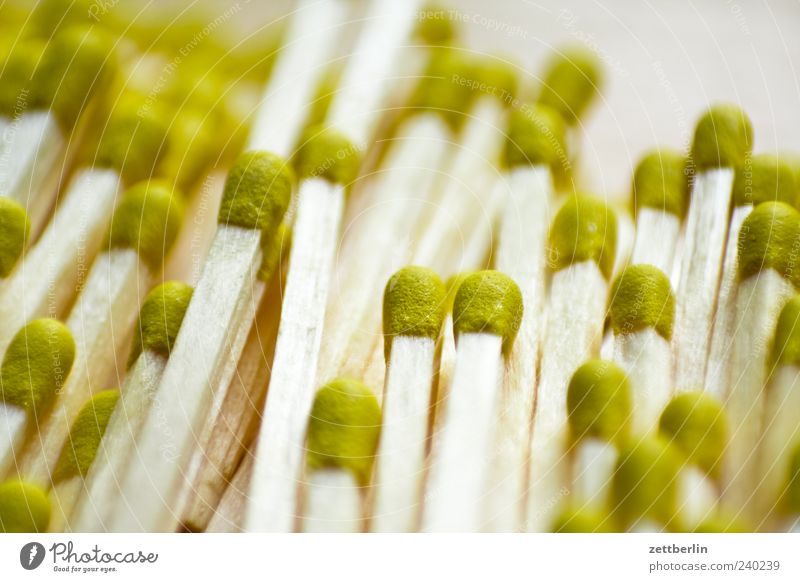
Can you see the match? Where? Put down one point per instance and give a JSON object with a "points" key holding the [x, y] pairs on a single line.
{"points": [[582, 249], [723, 139], [413, 312], [487, 312]]}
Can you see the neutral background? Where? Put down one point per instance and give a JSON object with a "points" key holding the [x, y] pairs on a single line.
{"points": [[665, 62]]}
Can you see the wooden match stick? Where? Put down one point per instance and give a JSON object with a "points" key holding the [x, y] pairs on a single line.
{"points": [[600, 411], [768, 242], [413, 310], [34, 370], [343, 430], [660, 196], [698, 427], [487, 312], [45, 283], [141, 233], [257, 194], [641, 312], [722, 141], [160, 319], [78, 455], [762, 178], [581, 254]]}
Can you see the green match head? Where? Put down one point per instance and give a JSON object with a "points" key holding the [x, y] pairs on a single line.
{"points": [[585, 229], [641, 297], [661, 181], [16, 74], [85, 436], [786, 343], [445, 86], [257, 191], [582, 520], [488, 302], [24, 508], [572, 79], [768, 239], [791, 497], [147, 220], [328, 154], [537, 136], [77, 64], [275, 245], [36, 365], [696, 424], [435, 27], [160, 319], [764, 178], [599, 402], [497, 77], [645, 482], [723, 138], [15, 229], [343, 429], [132, 142], [413, 305]]}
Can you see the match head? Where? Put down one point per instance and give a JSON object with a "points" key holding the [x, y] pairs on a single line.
{"points": [[160, 319], [785, 349], [661, 182], [85, 435], [537, 136], [413, 305], [723, 138], [764, 178], [435, 27], [15, 229], [496, 77], [697, 426], [488, 302], [132, 142], [644, 485], [582, 520], [445, 86], [16, 70], [257, 191], [147, 220], [343, 429], [36, 364], [791, 500], [50, 16], [572, 80], [641, 297], [328, 154], [768, 240], [77, 64], [585, 229], [275, 245], [599, 402], [24, 508]]}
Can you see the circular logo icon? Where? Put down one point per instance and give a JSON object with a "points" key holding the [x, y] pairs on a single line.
{"points": [[31, 555]]}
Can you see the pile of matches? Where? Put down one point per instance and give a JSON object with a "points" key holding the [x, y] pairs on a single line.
{"points": [[265, 283]]}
